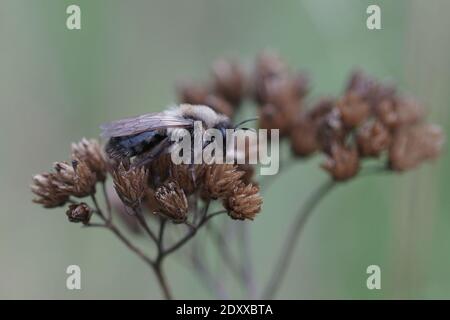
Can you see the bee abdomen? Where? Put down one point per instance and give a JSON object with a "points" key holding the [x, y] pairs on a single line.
{"points": [[130, 146]]}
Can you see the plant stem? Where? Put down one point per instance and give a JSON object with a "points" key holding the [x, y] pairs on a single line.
{"points": [[140, 218], [162, 282], [192, 233], [155, 266], [291, 240]]}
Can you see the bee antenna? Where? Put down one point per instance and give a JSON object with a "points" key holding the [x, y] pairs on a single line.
{"points": [[245, 121]]}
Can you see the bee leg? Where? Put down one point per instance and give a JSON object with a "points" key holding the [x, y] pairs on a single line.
{"points": [[152, 154]]}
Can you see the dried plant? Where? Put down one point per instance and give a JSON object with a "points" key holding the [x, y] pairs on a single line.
{"points": [[370, 119]]}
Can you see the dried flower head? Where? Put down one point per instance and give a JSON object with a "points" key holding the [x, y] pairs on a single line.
{"points": [[244, 202], [342, 162], [228, 81], [76, 179], [268, 66], [188, 177], [415, 144], [172, 201], [304, 136], [372, 138], [131, 185], [399, 112], [129, 221], [90, 152], [220, 180], [353, 109], [48, 192], [271, 117], [331, 130], [249, 172], [79, 212], [192, 93]]}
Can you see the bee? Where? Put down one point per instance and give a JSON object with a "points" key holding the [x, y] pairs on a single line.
{"points": [[148, 136]]}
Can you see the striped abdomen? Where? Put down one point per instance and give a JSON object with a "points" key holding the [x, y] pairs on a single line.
{"points": [[130, 146]]}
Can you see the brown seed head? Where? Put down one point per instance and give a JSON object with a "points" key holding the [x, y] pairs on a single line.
{"points": [[229, 81], [342, 162], [249, 172], [187, 177], [268, 66], [304, 140], [47, 190], [172, 201], [353, 109], [399, 112], [271, 117], [192, 93], [331, 130], [415, 144], [76, 179], [131, 185], [90, 152], [372, 138], [244, 202], [79, 212], [220, 180]]}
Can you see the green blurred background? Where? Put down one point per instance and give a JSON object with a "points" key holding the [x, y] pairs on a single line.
{"points": [[57, 86]]}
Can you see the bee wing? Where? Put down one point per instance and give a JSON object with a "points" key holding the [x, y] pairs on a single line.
{"points": [[145, 122]]}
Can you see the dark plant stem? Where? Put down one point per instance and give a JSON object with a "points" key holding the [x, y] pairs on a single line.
{"points": [[154, 265], [191, 233], [140, 218], [162, 281], [291, 240]]}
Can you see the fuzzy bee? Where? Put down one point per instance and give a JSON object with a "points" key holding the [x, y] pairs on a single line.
{"points": [[148, 136]]}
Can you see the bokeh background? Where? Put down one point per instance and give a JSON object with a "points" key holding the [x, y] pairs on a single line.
{"points": [[57, 86]]}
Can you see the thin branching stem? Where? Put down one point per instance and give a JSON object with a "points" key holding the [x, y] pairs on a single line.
{"points": [[108, 224], [191, 233], [141, 220]]}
